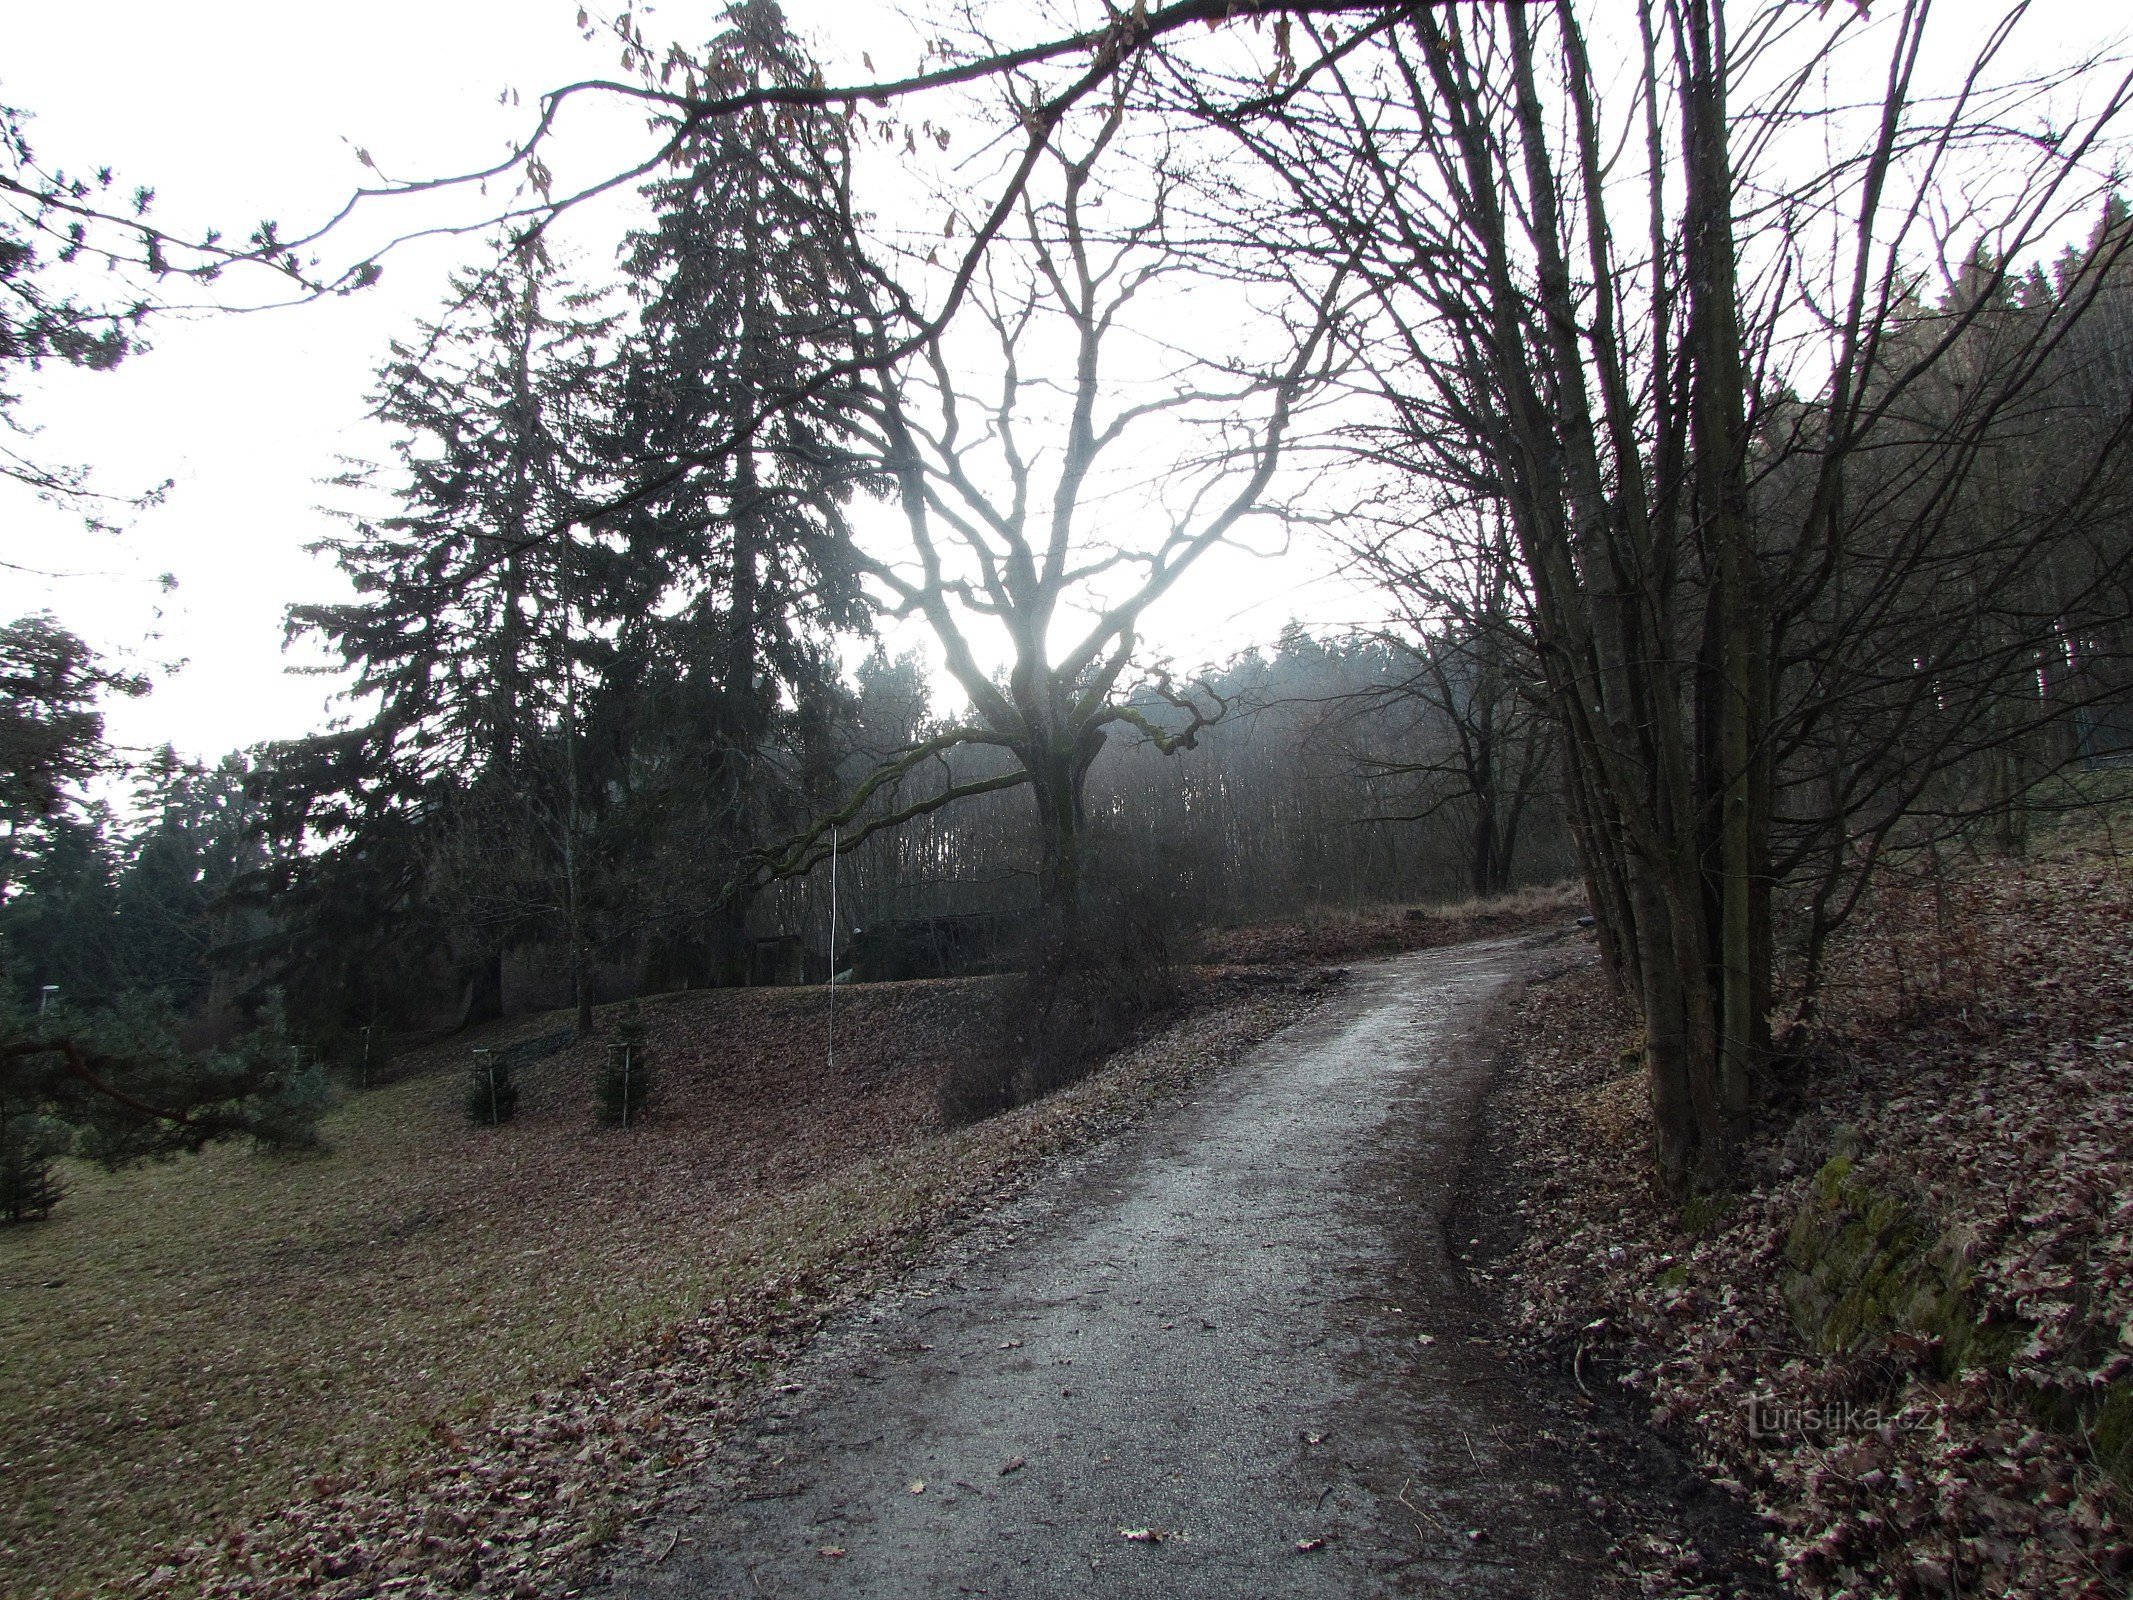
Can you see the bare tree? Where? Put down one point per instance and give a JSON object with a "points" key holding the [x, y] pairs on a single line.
{"points": [[1607, 313], [1482, 748], [1023, 538]]}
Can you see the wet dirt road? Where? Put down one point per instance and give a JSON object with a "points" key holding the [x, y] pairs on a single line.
{"points": [[1236, 1328]]}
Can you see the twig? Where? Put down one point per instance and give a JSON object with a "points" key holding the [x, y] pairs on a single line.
{"points": [[1417, 1510]]}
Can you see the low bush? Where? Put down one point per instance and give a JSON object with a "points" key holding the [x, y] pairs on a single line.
{"points": [[492, 1088], [1088, 985], [492, 1097]]}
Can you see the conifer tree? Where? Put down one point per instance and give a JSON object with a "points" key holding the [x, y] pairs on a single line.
{"points": [[459, 807], [625, 1086], [738, 470], [595, 635], [492, 1095], [29, 1145]]}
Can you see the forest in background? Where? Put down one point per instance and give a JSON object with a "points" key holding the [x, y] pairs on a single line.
{"points": [[1736, 548]]}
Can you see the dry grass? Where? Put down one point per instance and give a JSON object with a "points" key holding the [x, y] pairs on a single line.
{"points": [[191, 1343], [1332, 934], [283, 1375]]}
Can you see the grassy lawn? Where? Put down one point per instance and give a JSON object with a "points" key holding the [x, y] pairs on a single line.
{"points": [[192, 1344], [436, 1356]]}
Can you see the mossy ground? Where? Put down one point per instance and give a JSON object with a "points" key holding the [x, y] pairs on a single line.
{"points": [[1867, 1264]]}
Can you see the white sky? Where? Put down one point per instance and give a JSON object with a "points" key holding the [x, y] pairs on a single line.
{"points": [[250, 108]]}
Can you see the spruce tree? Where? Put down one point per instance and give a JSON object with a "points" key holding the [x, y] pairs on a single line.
{"points": [[595, 636], [29, 1146], [492, 1096], [625, 1086], [459, 811], [741, 460]]}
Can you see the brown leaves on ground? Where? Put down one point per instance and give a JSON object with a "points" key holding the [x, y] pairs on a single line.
{"points": [[445, 1359], [1335, 936], [1976, 1064]]}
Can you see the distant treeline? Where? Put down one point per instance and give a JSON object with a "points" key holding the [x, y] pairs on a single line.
{"points": [[1333, 779]]}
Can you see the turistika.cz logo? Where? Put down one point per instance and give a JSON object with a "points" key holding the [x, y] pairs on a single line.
{"points": [[1771, 1417]]}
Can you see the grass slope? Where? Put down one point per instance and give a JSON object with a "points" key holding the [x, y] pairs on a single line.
{"points": [[190, 1344], [443, 1359]]}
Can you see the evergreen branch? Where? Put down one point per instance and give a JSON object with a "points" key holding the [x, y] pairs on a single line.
{"points": [[799, 854], [79, 1065]]}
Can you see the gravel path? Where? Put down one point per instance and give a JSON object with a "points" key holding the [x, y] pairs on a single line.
{"points": [[1234, 1332]]}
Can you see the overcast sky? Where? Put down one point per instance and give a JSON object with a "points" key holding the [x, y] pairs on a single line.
{"points": [[252, 108]]}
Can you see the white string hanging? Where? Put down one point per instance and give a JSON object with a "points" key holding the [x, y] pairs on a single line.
{"points": [[833, 950]]}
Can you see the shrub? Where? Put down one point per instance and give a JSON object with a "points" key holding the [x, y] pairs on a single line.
{"points": [[29, 1144], [625, 1085], [491, 1095]]}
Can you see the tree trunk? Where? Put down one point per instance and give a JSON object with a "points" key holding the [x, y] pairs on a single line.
{"points": [[1487, 872], [1061, 821], [1487, 869], [1719, 426], [574, 917], [1059, 773], [1599, 851], [485, 991], [740, 724], [582, 988]]}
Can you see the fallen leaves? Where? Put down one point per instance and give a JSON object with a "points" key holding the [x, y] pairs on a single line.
{"points": [[1975, 1063], [793, 1191]]}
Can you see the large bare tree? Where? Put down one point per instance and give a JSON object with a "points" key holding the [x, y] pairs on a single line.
{"points": [[1047, 511], [1482, 748]]}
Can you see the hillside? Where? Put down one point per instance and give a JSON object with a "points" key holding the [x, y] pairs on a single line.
{"points": [[444, 1349], [1904, 1341]]}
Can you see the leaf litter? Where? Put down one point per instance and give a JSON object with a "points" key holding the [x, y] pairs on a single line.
{"points": [[1974, 1071], [764, 1193]]}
